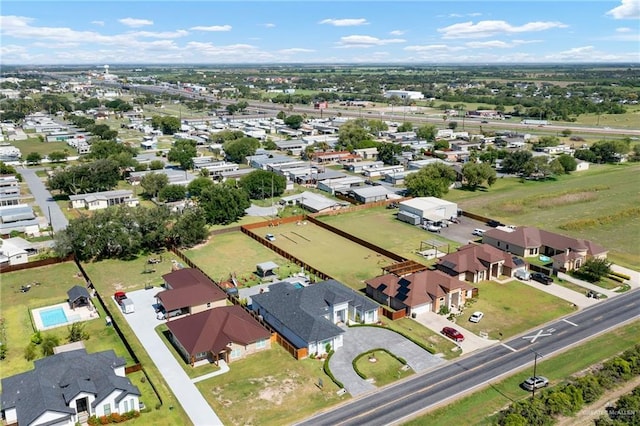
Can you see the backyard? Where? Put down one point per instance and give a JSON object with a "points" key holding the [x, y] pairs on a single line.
{"points": [[600, 204], [344, 260], [270, 388], [507, 309], [379, 226]]}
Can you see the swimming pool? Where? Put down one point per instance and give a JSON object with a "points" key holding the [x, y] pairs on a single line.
{"points": [[52, 317], [298, 285]]}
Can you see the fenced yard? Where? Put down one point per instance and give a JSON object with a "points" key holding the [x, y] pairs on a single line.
{"points": [[379, 226], [339, 257]]}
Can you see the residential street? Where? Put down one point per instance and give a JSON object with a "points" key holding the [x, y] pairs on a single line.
{"points": [[43, 198]]}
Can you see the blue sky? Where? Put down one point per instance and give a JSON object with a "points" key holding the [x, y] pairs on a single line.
{"points": [[219, 32]]}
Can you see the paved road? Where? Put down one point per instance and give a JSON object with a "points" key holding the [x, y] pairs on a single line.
{"points": [[44, 199], [143, 322], [415, 395]]}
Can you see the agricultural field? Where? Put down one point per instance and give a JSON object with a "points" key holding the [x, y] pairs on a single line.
{"points": [[600, 204], [379, 226], [344, 260]]}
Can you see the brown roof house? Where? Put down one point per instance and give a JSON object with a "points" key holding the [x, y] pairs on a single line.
{"points": [[419, 292], [229, 333], [189, 291], [478, 262], [567, 253]]}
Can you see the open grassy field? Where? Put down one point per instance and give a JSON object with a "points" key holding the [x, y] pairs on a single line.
{"points": [[379, 226], [600, 204], [478, 408], [229, 253], [270, 388], [34, 144], [55, 281], [507, 309], [343, 259]]}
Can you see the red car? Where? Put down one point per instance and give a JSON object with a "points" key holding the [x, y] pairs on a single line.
{"points": [[119, 296], [452, 334]]}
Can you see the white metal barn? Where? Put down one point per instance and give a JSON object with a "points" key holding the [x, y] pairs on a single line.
{"points": [[430, 208]]}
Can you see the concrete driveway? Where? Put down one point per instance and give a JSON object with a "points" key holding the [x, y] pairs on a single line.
{"points": [[358, 340], [436, 323], [143, 323], [578, 299], [254, 210], [44, 199]]}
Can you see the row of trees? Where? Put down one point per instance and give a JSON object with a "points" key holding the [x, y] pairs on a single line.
{"points": [[567, 399]]}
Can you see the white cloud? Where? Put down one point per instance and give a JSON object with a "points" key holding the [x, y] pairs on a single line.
{"points": [[629, 9], [99, 23], [212, 28], [498, 44], [623, 30], [345, 22], [269, 25], [491, 28], [294, 50], [363, 41], [397, 32], [135, 23], [165, 34], [432, 48]]}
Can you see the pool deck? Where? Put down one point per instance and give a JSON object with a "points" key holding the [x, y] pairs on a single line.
{"points": [[84, 313]]}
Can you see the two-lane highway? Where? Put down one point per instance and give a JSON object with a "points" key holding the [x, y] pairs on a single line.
{"points": [[421, 393]]}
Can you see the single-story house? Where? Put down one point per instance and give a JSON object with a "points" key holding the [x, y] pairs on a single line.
{"points": [[17, 218], [419, 292], [190, 291], [478, 262], [315, 203], [430, 208], [229, 333], [308, 317], [371, 194], [78, 296], [567, 253], [67, 388], [102, 200], [14, 251]]}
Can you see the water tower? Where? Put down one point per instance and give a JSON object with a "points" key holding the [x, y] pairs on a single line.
{"points": [[106, 70]]}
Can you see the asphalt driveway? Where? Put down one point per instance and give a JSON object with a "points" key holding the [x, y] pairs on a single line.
{"points": [[44, 199], [358, 340]]}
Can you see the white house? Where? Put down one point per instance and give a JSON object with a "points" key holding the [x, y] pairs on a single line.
{"points": [[102, 200], [67, 388]]}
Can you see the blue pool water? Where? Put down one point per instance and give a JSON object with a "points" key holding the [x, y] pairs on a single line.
{"points": [[544, 258], [298, 285], [52, 317]]}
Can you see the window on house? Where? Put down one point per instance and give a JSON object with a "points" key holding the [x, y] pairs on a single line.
{"points": [[236, 353], [126, 405], [200, 355], [208, 304], [507, 246], [133, 405], [261, 344], [107, 409], [498, 243]]}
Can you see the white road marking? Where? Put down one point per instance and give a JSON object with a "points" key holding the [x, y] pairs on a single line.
{"points": [[569, 322]]}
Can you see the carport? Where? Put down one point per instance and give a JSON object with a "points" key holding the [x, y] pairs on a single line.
{"points": [[266, 268]]}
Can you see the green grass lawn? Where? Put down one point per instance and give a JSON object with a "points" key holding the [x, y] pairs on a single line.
{"points": [[429, 338], [508, 309], [478, 408], [270, 388], [379, 226], [606, 194], [55, 281], [233, 252], [343, 259], [382, 368], [33, 144]]}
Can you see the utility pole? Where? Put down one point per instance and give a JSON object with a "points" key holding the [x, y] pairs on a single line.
{"points": [[535, 365]]}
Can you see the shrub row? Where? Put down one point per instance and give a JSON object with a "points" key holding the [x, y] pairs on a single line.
{"points": [[616, 278], [113, 418], [620, 274], [580, 224], [568, 398], [328, 372]]}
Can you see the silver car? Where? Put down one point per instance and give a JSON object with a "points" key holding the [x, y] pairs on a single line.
{"points": [[535, 382]]}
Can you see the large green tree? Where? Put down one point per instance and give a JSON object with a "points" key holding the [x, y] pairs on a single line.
{"points": [[432, 180], [223, 204], [237, 150], [173, 192], [261, 184], [199, 184], [152, 183], [477, 173], [388, 152], [294, 121], [427, 132], [99, 175], [183, 153]]}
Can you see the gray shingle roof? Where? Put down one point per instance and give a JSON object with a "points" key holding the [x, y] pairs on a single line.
{"points": [[303, 310], [58, 378]]}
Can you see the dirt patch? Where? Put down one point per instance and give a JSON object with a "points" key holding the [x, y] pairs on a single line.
{"points": [[277, 393]]}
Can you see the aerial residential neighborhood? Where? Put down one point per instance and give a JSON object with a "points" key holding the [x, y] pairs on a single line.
{"points": [[361, 228]]}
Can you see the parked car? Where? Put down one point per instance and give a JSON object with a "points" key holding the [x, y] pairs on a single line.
{"points": [[119, 296], [521, 274], [494, 223], [478, 232], [476, 316], [484, 122], [535, 382], [452, 334], [270, 237], [594, 294], [542, 278], [432, 228]]}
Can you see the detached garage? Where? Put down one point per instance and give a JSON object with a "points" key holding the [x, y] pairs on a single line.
{"points": [[429, 208]]}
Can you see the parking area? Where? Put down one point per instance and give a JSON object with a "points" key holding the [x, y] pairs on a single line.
{"points": [[436, 322], [462, 232]]}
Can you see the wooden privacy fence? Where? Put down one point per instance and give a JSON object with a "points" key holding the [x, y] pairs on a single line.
{"points": [[35, 264], [393, 315]]}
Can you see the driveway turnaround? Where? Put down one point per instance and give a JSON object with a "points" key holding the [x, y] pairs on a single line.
{"points": [[358, 340], [44, 199], [143, 323]]}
